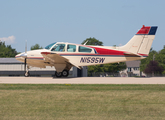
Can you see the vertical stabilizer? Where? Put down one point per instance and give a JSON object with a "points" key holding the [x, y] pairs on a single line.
{"points": [[141, 42]]}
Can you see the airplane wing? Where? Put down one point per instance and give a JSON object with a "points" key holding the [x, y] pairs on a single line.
{"points": [[54, 58]]}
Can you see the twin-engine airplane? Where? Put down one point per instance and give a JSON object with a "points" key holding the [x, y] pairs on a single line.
{"points": [[65, 55]]}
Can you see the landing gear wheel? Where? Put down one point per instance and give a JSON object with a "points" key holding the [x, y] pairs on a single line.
{"points": [[58, 74], [65, 73], [26, 74]]}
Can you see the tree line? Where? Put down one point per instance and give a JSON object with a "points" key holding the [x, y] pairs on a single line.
{"points": [[6, 51], [154, 64]]}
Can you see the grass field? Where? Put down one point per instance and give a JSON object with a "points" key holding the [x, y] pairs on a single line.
{"points": [[82, 102]]}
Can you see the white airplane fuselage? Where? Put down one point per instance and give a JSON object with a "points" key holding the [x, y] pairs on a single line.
{"points": [[35, 58]]}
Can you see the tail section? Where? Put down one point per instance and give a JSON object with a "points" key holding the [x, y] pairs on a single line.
{"points": [[141, 42]]}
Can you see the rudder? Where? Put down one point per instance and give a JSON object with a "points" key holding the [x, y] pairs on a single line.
{"points": [[147, 41]]}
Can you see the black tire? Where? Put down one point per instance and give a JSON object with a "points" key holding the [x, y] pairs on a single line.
{"points": [[65, 73], [58, 74], [26, 74]]}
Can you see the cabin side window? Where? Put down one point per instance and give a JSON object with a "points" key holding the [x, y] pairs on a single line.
{"points": [[84, 49], [59, 48], [71, 48]]}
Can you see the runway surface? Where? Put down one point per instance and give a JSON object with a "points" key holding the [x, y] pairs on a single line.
{"points": [[81, 80]]}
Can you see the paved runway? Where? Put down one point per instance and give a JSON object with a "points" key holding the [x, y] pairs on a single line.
{"points": [[81, 80]]}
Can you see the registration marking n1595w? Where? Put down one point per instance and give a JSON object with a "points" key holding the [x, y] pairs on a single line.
{"points": [[92, 60]]}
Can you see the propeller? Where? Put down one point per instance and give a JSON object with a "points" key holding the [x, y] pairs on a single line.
{"points": [[25, 55]]}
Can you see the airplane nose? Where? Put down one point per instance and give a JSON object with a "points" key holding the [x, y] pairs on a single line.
{"points": [[24, 55]]}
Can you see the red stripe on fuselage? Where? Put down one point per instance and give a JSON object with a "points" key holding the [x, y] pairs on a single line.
{"points": [[104, 51]]}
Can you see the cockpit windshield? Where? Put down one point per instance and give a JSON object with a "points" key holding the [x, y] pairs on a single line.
{"points": [[49, 46]]}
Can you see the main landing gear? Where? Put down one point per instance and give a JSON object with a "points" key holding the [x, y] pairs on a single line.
{"points": [[64, 73]]}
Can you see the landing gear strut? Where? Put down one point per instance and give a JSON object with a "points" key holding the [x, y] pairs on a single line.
{"points": [[64, 73]]}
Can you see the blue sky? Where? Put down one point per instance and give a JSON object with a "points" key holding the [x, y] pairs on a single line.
{"points": [[114, 22]]}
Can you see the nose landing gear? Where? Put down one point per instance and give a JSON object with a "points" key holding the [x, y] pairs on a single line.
{"points": [[27, 72]]}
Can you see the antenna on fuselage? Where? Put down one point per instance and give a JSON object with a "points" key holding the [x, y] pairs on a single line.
{"points": [[86, 42]]}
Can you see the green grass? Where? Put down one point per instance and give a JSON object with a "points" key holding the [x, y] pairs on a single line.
{"points": [[72, 102]]}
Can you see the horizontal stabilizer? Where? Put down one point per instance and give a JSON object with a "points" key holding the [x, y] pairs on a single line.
{"points": [[132, 54]]}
